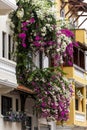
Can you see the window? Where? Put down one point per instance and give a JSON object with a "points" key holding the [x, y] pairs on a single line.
{"points": [[9, 47], [79, 99], [76, 56], [79, 57], [3, 44], [62, 13], [27, 124], [40, 60], [6, 104], [17, 105], [76, 104]]}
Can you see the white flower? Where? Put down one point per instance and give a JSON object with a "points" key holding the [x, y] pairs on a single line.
{"points": [[43, 30], [20, 13], [59, 49], [10, 23], [43, 34], [49, 19], [40, 14], [48, 25]]}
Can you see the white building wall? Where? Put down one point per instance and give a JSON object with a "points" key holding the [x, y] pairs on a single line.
{"points": [[4, 27], [8, 125], [29, 110]]}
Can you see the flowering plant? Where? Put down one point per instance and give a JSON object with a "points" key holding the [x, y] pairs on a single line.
{"points": [[35, 29], [53, 92]]}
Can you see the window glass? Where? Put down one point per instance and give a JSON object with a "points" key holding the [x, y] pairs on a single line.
{"points": [[6, 104], [27, 124], [9, 47], [79, 57], [76, 104], [3, 44], [17, 106]]}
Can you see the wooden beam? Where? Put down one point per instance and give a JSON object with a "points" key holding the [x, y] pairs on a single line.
{"points": [[62, 7], [82, 15], [69, 11], [73, 13]]}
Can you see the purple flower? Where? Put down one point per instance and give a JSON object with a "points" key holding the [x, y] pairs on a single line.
{"points": [[53, 106], [43, 104], [37, 38], [24, 45], [24, 29], [70, 63], [76, 44], [67, 32], [37, 44], [22, 35], [24, 24], [32, 20], [50, 43]]}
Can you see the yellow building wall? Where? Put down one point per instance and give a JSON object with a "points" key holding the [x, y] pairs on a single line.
{"points": [[70, 73], [72, 110], [81, 35]]}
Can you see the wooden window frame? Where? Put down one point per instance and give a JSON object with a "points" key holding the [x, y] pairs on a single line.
{"points": [[6, 104]]}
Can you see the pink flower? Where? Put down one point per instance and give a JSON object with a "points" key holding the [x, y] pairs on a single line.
{"points": [[37, 44], [32, 20], [37, 38], [50, 43], [67, 32], [24, 24], [43, 104], [24, 45], [70, 63], [22, 35]]}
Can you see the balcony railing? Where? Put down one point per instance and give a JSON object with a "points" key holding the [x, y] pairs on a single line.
{"points": [[76, 73], [7, 74], [80, 117]]}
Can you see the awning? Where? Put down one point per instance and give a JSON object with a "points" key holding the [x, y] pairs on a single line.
{"points": [[24, 89]]}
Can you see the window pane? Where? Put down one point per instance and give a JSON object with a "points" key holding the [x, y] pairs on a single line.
{"points": [[3, 44], [76, 104], [17, 105], [75, 56], [27, 124], [40, 60], [9, 47], [81, 58], [6, 104]]}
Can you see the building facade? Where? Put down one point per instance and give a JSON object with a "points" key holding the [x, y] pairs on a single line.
{"points": [[18, 98]]}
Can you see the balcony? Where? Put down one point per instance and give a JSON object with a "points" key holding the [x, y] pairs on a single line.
{"points": [[77, 74], [6, 6], [81, 36], [7, 75]]}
